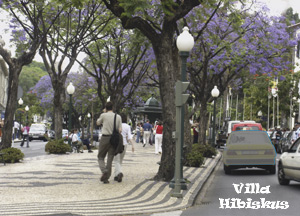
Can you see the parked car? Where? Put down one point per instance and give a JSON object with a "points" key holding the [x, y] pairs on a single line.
{"points": [[247, 126], [286, 141], [38, 132], [289, 165], [249, 149]]}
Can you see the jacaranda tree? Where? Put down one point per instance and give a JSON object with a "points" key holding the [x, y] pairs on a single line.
{"points": [[27, 35], [227, 47]]}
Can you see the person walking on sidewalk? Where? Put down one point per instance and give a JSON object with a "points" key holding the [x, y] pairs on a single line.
{"points": [[147, 132], [25, 135], [138, 132], [105, 148], [127, 137], [158, 137]]}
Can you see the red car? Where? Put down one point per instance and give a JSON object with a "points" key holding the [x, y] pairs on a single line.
{"points": [[247, 126]]}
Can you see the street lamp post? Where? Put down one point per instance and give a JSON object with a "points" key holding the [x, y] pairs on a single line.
{"points": [[20, 103], [70, 90], [185, 43], [89, 122], [215, 93], [26, 109]]}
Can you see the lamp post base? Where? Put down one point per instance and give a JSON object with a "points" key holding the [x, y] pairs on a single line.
{"points": [[182, 183]]}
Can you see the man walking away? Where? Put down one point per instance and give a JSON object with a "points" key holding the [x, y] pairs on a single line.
{"points": [[105, 148], [147, 132]]}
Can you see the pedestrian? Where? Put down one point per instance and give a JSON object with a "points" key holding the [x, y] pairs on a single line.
{"points": [[158, 137], [86, 141], [195, 127], [75, 140], [138, 133], [25, 131], [1, 126], [127, 138], [105, 148], [16, 130], [147, 132], [142, 133]]}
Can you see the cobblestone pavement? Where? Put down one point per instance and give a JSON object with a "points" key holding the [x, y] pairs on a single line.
{"points": [[69, 185]]}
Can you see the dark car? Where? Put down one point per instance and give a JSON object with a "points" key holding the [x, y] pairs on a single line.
{"points": [[286, 142]]}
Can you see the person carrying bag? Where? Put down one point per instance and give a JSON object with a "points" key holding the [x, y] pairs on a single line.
{"points": [[110, 122], [116, 139]]}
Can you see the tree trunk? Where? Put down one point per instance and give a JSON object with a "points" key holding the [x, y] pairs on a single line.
{"points": [[167, 65], [59, 99], [11, 106]]}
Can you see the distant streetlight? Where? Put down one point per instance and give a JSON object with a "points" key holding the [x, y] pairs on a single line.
{"points": [[259, 114], [26, 109], [70, 90], [89, 122], [20, 102], [185, 43], [214, 93]]}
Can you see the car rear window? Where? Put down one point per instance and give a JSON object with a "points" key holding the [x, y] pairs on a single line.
{"points": [[249, 137], [247, 128]]}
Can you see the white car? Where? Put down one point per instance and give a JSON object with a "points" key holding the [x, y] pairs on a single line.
{"points": [[289, 164]]}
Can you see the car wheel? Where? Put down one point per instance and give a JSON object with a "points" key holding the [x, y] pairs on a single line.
{"points": [[281, 177], [272, 169], [227, 169]]}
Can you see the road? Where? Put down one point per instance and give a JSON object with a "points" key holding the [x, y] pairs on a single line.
{"points": [[266, 187], [36, 148]]}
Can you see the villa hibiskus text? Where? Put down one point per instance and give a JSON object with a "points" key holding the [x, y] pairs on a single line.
{"points": [[251, 188]]}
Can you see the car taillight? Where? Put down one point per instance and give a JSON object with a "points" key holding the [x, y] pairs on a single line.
{"points": [[231, 152], [269, 152]]}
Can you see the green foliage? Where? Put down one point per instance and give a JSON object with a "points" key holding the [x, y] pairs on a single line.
{"points": [[196, 157], [31, 74], [57, 147], [133, 6], [12, 155]]}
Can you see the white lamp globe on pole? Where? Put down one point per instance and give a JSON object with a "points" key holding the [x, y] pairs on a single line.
{"points": [[185, 41], [214, 93], [20, 102], [70, 89]]}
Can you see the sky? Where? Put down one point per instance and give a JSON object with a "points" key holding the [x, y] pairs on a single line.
{"points": [[276, 8]]}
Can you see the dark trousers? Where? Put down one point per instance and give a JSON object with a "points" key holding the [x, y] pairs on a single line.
{"points": [[25, 137], [87, 143]]}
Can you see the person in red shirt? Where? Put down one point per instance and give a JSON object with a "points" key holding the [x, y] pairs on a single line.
{"points": [[158, 137]]}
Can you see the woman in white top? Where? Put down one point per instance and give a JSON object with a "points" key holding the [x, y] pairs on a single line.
{"points": [[127, 137]]}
